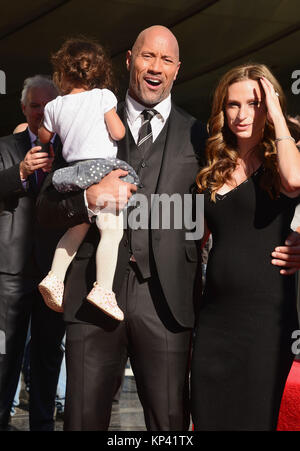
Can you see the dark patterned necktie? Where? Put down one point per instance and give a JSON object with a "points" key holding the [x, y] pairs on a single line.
{"points": [[145, 138]]}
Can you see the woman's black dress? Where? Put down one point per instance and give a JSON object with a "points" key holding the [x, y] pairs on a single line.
{"points": [[242, 350]]}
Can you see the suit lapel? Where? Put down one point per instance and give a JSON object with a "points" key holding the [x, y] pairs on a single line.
{"points": [[174, 143], [174, 146], [123, 145], [23, 143]]}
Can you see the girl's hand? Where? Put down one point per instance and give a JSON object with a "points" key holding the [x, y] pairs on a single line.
{"points": [[272, 101]]}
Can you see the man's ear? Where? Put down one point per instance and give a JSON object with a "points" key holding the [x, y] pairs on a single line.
{"points": [[128, 59], [178, 67]]}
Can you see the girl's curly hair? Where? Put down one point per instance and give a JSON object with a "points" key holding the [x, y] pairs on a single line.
{"points": [[221, 147], [82, 63]]}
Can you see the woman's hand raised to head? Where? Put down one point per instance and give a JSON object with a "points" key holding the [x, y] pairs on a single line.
{"points": [[272, 101]]}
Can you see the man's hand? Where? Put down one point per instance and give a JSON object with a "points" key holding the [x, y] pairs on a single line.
{"points": [[288, 256], [34, 159], [110, 193]]}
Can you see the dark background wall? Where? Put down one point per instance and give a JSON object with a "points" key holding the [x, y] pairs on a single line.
{"points": [[213, 35]]}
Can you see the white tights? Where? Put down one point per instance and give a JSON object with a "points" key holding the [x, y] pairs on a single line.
{"points": [[111, 230]]}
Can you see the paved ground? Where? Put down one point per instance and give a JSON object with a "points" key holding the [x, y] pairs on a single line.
{"points": [[127, 414]]}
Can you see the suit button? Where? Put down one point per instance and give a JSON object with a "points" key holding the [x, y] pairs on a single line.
{"points": [[125, 242], [70, 214]]}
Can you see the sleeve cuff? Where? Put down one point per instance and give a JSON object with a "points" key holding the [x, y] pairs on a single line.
{"points": [[296, 219], [90, 212]]}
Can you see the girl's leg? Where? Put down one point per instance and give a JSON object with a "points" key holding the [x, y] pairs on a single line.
{"points": [[67, 248], [52, 286], [111, 227]]}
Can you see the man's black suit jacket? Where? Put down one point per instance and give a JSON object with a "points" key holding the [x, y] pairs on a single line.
{"points": [[176, 259], [21, 240]]}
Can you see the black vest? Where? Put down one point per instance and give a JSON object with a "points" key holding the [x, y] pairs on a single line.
{"points": [[148, 170]]}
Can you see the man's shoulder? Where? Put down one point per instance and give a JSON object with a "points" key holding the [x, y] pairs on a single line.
{"points": [[12, 144], [14, 137], [7, 143], [8, 139], [184, 114], [195, 128], [198, 127]]}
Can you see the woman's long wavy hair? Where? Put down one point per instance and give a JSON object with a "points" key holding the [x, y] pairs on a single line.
{"points": [[82, 63], [221, 148]]}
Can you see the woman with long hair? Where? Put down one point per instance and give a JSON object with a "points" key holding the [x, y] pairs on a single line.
{"points": [[242, 350]]}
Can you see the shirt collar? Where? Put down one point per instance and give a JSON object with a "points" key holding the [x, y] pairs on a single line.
{"points": [[32, 136], [134, 108]]}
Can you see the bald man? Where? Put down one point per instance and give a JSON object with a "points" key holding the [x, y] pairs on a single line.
{"points": [[156, 268]]}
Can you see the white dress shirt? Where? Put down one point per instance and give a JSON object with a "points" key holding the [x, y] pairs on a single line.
{"points": [[134, 116]]}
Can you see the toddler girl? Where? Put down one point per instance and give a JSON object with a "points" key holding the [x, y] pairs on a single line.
{"points": [[85, 119]]}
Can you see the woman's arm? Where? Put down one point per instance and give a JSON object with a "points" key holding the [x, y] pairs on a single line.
{"points": [[287, 152], [114, 124]]}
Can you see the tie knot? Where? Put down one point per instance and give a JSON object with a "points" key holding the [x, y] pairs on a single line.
{"points": [[149, 114]]}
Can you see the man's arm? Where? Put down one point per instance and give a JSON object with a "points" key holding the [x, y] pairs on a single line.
{"points": [[288, 257], [61, 210], [13, 177], [10, 182]]}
